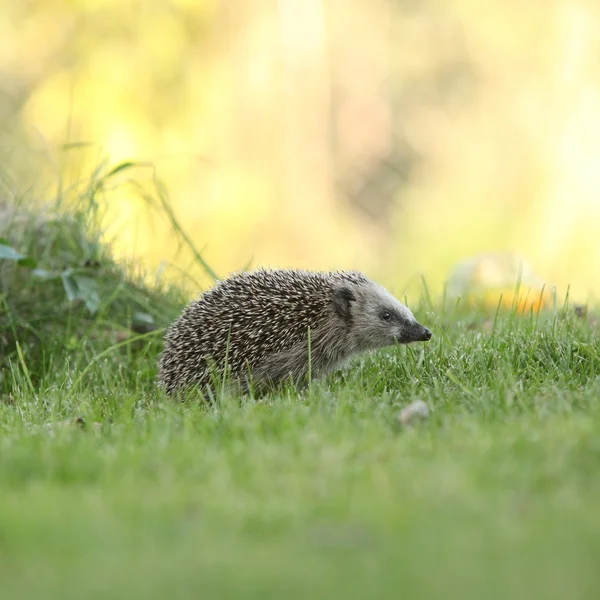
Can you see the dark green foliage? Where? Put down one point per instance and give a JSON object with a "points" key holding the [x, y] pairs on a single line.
{"points": [[62, 292]]}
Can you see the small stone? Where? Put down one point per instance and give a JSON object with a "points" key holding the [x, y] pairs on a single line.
{"points": [[415, 411]]}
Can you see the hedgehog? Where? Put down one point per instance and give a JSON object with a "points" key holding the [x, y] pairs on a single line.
{"points": [[256, 328]]}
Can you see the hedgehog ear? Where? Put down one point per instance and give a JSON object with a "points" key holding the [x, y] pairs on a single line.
{"points": [[342, 297]]}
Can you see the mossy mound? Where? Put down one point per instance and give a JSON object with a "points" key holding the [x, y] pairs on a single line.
{"points": [[62, 291]]}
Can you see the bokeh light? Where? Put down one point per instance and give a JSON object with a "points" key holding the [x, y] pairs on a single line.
{"points": [[396, 136]]}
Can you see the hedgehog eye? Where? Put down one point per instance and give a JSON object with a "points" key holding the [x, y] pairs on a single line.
{"points": [[386, 316]]}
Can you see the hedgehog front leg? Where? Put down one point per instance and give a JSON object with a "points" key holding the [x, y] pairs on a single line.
{"points": [[293, 364], [290, 365]]}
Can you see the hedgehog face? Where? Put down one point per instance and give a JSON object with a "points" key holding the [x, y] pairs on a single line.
{"points": [[376, 318]]}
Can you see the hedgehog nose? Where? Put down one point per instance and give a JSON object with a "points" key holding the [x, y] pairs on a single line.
{"points": [[426, 334]]}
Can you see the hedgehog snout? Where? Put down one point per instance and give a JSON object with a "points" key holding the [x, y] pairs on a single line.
{"points": [[415, 332]]}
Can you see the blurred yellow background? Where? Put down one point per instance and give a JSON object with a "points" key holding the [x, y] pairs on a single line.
{"points": [[393, 136]]}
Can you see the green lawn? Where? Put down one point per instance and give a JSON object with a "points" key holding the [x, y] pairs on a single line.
{"points": [[496, 495]]}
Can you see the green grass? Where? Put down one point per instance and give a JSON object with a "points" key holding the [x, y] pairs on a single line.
{"points": [[321, 494]]}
